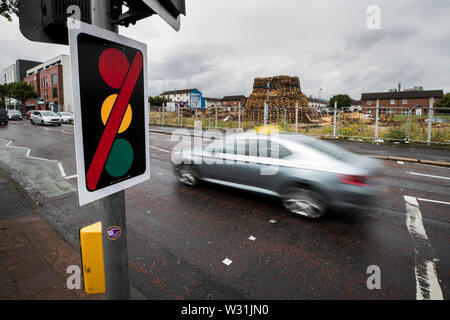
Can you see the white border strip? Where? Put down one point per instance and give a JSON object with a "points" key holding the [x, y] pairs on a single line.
{"points": [[427, 283], [427, 175]]}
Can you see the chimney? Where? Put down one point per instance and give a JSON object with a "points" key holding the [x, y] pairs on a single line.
{"points": [[399, 87]]}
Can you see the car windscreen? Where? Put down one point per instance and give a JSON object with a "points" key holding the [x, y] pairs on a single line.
{"points": [[67, 114], [49, 114], [330, 149]]}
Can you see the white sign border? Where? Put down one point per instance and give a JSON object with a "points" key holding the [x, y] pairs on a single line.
{"points": [[84, 195]]}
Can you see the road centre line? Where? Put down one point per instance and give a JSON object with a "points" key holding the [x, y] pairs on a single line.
{"points": [[167, 151], [433, 201], [427, 283], [427, 175]]}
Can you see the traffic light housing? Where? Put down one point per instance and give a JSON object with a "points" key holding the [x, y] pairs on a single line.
{"points": [[168, 10], [46, 20]]}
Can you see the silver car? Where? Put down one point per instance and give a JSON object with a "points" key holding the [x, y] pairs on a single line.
{"points": [[44, 117], [67, 117], [308, 174]]}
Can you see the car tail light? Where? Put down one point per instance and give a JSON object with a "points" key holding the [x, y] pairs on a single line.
{"points": [[354, 180]]}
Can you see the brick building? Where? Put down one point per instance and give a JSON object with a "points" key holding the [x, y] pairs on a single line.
{"points": [[52, 81], [233, 101], [400, 102]]}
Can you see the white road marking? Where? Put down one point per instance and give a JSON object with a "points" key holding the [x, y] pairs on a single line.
{"points": [[273, 221], [167, 151], [427, 175], [427, 283], [227, 261], [27, 155], [61, 168], [252, 238], [400, 162], [433, 201], [66, 132], [71, 177], [430, 165]]}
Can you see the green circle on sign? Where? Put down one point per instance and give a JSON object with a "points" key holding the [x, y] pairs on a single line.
{"points": [[120, 158]]}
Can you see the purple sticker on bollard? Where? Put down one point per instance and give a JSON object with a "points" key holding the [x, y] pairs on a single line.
{"points": [[113, 233]]}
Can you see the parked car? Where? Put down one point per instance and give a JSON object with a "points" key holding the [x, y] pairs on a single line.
{"points": [[27, 115], [311, 175], [3, 117], [44, 117], [67, 117], [14, 115]]}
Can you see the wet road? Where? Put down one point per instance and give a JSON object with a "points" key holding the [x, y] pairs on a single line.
{"points": [[212, 242]]}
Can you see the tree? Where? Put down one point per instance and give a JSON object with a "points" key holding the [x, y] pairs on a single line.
{"points": [[444, 105], [343, 101], [5, 91], [158, 101], [8, 8], [22, 91]]}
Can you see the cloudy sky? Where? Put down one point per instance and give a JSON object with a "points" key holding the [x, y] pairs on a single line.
{"points": [[223, 45]]}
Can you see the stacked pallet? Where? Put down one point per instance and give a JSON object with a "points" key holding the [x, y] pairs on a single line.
{"points": [[284, 94]]}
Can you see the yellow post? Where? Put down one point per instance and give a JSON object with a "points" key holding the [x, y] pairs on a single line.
{"points": [[92, 258]]}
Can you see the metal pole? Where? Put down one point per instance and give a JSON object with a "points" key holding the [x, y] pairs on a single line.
{"points": [[179, 117], [377, 113], [335, 116], [285, 125], [239, 116], [164, 113], [296, 117], [216, 117], [430, 120], [115, 253]]}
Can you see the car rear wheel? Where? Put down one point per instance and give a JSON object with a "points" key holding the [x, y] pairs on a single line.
{"points": [[304, 202], [186, 175]]}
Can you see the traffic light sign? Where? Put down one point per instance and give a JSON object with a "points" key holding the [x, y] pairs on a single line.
{"points": [[111, 114]]}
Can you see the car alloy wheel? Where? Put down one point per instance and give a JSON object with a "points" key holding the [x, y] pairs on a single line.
{"points": [[32, 122], [304, 202], [186, 175]]}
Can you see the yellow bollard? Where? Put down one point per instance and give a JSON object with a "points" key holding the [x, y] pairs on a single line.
{"points": [[92, 258]]}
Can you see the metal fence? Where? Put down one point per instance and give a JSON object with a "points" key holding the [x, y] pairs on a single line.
{"points": [[419, 124]]}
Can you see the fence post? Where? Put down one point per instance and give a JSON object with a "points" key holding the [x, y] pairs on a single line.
{"points": [[179, 117], [430, 120], [216, 118], [239, 116], [335, 116], [285, 125], [377, 111], [296, 117], [164, 114], [209, 118], [159, 116]]}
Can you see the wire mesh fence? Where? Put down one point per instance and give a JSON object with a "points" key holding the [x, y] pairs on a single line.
{"points": [[419, 124]]}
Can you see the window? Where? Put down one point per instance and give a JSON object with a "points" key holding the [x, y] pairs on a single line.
{"points": [[405, 101], [405, 112], [392, 101], [55, 93], [54, 79], [388, 111]]}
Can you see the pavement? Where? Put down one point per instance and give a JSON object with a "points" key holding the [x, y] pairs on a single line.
{"points": [[33, 257], [179, 237]]}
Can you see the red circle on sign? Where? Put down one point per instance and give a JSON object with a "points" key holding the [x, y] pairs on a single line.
{"points": [[113, 66]]}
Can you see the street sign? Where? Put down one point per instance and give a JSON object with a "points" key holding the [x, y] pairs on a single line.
{"points": [[109, 78], [41, 101]]}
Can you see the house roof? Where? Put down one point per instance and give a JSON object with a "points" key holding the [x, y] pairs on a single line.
{"points": [[177, 92], [403, 95], [233, 98]]}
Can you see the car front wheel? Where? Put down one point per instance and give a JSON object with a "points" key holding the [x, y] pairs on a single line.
{"points": [[304, 202], [186, 175]]}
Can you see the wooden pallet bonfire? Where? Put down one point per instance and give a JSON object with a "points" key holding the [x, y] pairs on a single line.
{"points": [[284, 94]]}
